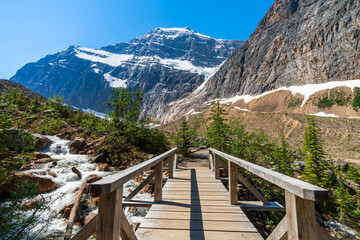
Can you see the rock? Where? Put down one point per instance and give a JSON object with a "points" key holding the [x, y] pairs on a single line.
{"points": [[54, 164], [341, 231], [103, 167], [49, 111], [299, 166], [66, 209], [43, 184], [30, 204], [77, 145], [42, 142], [89, 217], [93, 178], [31, 166], [46, 160], [53, 174], [76, 171], [99, 158], [39, 155]]}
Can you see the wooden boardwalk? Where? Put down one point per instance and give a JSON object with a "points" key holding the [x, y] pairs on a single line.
{"points": [[196, 206]]}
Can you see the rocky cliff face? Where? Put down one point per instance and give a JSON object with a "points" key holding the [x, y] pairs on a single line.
{"points": [[167, 64], [297, 42]]}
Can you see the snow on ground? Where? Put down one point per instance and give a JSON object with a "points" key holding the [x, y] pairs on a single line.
{"points": [[242, 109], [192, 112], [322, 114], [98, 114], [207, 77], [115, 82], [305, 90]]}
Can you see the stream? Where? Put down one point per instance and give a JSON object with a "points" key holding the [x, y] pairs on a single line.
{"points": [[68, 182]]}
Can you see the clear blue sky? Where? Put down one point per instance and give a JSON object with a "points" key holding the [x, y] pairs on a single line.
{"points": [[31, 29]]}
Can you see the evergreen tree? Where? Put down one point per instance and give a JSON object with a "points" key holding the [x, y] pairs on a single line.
{"points": [[315, 166], [218, 131], [283, 157], [183, 138]]}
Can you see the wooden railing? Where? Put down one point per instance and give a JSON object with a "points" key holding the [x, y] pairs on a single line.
{"points": [[110, 223], [300, 197]]}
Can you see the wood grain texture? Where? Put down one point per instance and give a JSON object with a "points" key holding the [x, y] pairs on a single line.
{"points": [[158, 182]]}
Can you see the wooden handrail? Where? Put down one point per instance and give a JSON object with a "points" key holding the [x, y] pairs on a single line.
{"points": [[299, 188], [111, 183]]}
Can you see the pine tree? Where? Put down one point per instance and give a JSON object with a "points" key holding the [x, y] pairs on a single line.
{"points": [[183, 138], [218, 131], [315, 166], [283, 157]]}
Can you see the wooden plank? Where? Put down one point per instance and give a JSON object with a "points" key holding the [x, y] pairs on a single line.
{"points": [[229, 216], [280, 232], [216, 167], [171, 165], [260, 207], [203, 208], [109, 215], [141, 186], [86, 231], [158, 182], [166, 234], [198, 225], [301, 219], [110, 183], [233, 193], [126, 231], [211, 162], [299, 188], [252, 189]]}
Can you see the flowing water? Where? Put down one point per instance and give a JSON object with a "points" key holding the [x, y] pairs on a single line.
{"points": [[67, 182]]}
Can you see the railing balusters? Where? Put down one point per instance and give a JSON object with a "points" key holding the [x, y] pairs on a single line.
{"points": [[233, 183], [171, 165]]}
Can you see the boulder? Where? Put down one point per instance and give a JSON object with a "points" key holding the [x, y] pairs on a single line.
{"points": [[340, 231], [43, 184], [77, 145], [103, 167], [52, 174], [42, 142], [76, 171], [31, 166], [39, 155]]}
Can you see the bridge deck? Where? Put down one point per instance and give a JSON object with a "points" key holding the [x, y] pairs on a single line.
{"points": [[195, 206]]}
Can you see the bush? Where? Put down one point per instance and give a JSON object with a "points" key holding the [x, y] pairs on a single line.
{"points": [[356, 101]]}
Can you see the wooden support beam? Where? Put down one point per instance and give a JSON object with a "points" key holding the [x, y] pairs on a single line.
{"points": [[233, 194], [171, 165], [175, 161], [158, 182], [301, 218], [216, 163], [211, 162], [86, 231], [252, 189], [126, 231], [109, 215], [280, 232], [141, 186], [258, 206]]}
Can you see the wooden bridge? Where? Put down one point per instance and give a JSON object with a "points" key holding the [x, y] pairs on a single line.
{"points": [[194, 202]]}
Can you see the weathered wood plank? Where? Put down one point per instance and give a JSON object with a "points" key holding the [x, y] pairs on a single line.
{"points": [[141, 186], [216, 167], [86, 231], [260, 207], [301, 189], [109, 215], [233, 194], [126, 231], [280, 232], [158, 182], [110, 183]]}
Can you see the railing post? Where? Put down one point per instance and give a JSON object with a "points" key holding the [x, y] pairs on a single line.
{"points": [[301, 218], [233, 183], [109, 215], [209, 160], [158, 182], [216, 166], [171, 165]]}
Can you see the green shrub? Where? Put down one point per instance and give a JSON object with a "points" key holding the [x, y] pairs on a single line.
{"points": [[356, 100], [294, 102]]}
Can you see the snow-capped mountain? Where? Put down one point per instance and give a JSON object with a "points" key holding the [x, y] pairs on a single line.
{"points": [[167, 64]]}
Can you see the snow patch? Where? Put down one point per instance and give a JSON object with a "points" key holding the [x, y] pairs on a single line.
{"points": [[322, 114], [305, 90], [242, 109], [202, 85], [115, 82]]}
